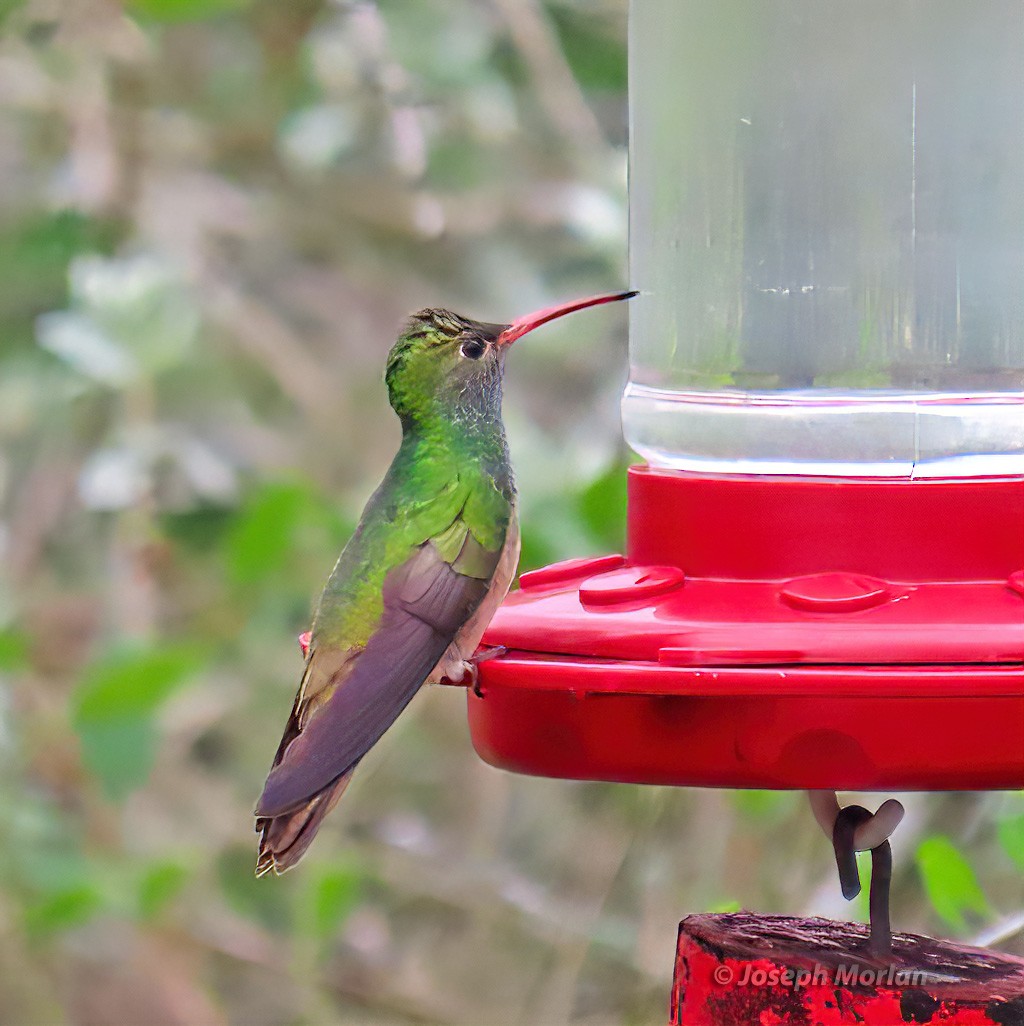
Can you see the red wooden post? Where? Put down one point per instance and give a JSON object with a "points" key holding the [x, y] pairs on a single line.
{"points": [[738, 969]]}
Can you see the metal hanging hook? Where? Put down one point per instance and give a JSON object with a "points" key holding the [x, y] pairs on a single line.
{"points": [[853, 829]]}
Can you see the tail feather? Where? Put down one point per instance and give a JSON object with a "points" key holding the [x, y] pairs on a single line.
{"points": [[285, 838]]}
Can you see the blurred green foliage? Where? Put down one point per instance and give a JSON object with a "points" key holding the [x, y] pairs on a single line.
{"points": [[950, 882], [161, 883], [183, 10], [1011, 836], [333, 894], [115, 706], [213, 215]]}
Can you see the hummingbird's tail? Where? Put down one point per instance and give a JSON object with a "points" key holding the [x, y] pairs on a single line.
{"points": [[285, 838]]}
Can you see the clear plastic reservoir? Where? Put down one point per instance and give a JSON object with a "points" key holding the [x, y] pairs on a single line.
{"points": [[827, 226]]}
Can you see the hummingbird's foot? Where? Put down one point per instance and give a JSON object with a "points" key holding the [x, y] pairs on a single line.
{"points": [[481, 656], [455, 669]]}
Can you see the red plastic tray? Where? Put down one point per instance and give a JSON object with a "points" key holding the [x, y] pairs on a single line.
{"points": [[779, 633]]}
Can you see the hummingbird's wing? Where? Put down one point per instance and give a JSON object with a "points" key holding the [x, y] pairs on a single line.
{"points": [[348, 699]]}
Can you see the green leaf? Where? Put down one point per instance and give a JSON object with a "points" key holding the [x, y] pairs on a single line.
{"points": [[535, 550], [458, 163], [34, 257], [132, 683], [13, 650], [184, 10], [860, 907], [114, 709], [262, 535], [51, 240], [1010, 831], [8, 7], [602, 506], [725, 906], [595, 53], [119, 753], [949, 882], [761, 804], [268, 899], [62, 910], [334, 896], [160, 885], [199, 530]]}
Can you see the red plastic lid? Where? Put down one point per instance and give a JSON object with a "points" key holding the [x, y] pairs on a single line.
{"points": [[774, 633], [835, 592], [569, 570], [632, 584]]}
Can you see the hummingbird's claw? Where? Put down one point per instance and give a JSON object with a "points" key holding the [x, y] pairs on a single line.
{"points": [[481, 656], [474, 679], [463, 673]]}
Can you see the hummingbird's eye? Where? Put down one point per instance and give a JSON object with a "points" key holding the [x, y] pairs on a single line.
{"points": [[473, 349]]}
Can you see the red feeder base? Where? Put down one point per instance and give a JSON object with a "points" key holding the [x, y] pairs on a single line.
{"points": [[738, 969], [777, 632]]}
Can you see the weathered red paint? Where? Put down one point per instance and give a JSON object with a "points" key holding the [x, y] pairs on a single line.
{"points": [[739, 969]]}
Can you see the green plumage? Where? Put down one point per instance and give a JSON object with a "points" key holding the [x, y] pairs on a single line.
{"points": [[437, 488]]}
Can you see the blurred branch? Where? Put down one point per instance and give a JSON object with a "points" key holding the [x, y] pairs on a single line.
{"points": [[558, 93], [262, 336], [41, 502], [1000, 932]]}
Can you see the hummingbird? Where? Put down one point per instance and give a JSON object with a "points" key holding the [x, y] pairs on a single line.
{"points": [[430, 561]]}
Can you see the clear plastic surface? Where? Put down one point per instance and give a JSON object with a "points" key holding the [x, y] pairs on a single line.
{"points": [[827, 225]]}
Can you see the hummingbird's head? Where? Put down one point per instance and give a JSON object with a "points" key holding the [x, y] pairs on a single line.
{"points": [[442, 358], [444, 361]]}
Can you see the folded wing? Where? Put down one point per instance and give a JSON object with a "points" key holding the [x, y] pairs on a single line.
{"points": [[426, 602]]}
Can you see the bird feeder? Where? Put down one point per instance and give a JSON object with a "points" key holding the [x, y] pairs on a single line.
{"points": [[823, 584], [823, 579]]}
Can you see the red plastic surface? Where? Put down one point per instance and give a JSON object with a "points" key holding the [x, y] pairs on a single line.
{"points": [[769, 528], [631, 584], [569, 570], [820, 727], [775, 633], [835, 593]]}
